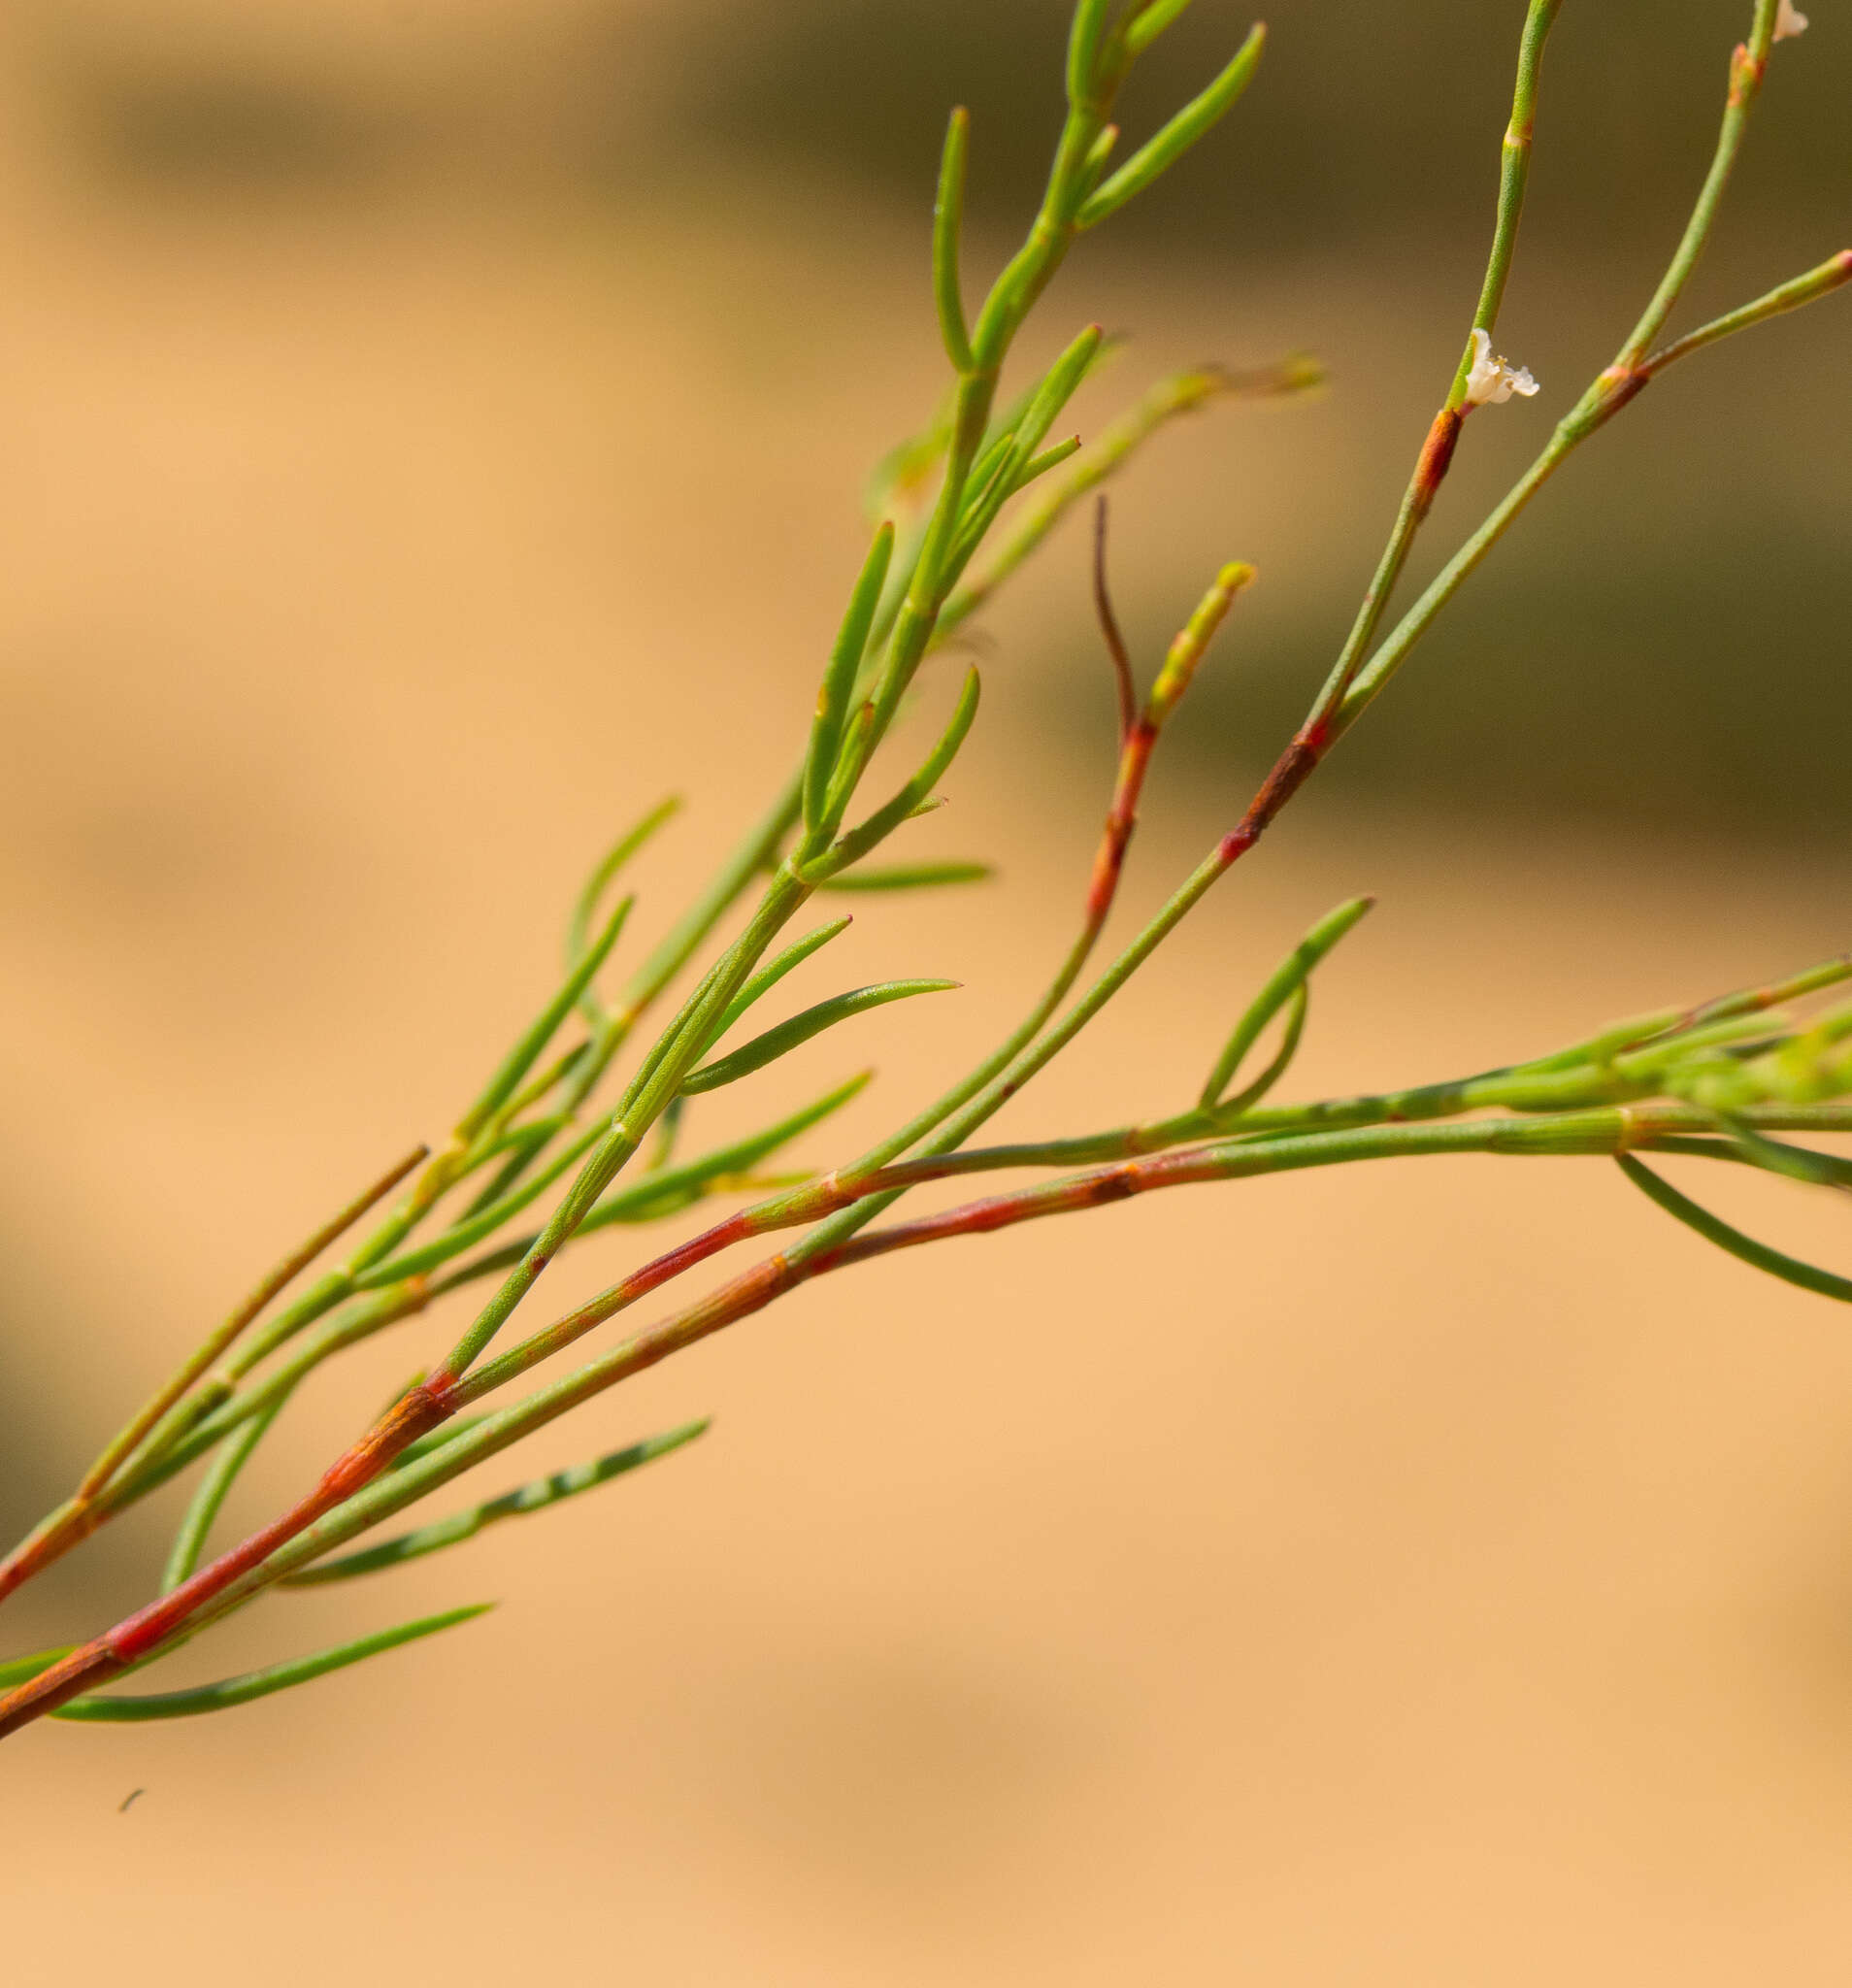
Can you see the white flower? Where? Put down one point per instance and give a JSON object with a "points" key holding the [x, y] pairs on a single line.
{"points": [[1789, 22], [1491, 381]]}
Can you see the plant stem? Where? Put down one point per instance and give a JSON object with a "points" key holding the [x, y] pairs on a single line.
{"points": [[1748, 65]]}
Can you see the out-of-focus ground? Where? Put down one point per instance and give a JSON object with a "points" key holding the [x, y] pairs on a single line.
{"points": [[432, 432]]}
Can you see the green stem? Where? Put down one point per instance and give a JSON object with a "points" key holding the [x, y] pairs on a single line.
{"points": [[1599, 405], [1789, 296], [679, 1049], [1514, 172], [1608, 1131], [1747, 67], [232, 1408], [1443, 435]]}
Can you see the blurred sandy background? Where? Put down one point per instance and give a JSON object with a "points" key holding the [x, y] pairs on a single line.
{"points": [[431, 431]]}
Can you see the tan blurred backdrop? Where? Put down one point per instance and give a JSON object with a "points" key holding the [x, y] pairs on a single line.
{"points": [[433, 430]]}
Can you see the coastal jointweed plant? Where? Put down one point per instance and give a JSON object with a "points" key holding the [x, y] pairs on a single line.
{"points": [[958, 510]]}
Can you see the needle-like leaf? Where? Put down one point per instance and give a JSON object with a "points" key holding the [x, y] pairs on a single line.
{"points": [[767, 978], [792, 1035], [1298, 1002], [1059, 385], [1281, 983], [1193, 122], [1789, 1268], [838, 684], [1793, 1162], [1084, 38], [579, 925], [948, 219], [911, 797], [480, 1223], [1050, 459], [520, 1059], [253, 1684], [662, 1193], [518, 1504], [195, 1528], [1148, 22], [910, 877]]}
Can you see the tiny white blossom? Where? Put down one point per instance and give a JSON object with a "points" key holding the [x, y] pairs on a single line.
{"points": [[1788, 22], [1491, 382]]}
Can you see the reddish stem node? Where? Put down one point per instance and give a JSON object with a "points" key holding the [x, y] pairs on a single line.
{"points": [[136, 1635], [1436, 458]]}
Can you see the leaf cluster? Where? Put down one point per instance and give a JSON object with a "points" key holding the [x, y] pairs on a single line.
{"points": [[589, 1112]]}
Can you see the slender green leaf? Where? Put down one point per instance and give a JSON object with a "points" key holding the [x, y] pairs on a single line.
{"points": [[852, 758], [910, 877], [196, 1525], [1292, 972], [790, 1035], [984, 491], [1008, 421], [1048, 459], [1793, 1162], [669, 1201], [519, 1059], [231, 1691], [1093, 166], [1084, 38], [1662, 1053], [1299, 1002], [839, 682], [661, 1194], [1754, 1000], [1180, 394], [524, 1140], [948, 219], [1150, 21], [174, 1405], [879, 825], [483, 1221], [529, 1498], [1190, 124], [1789, 1268], [769, 976], [521, 1145], [1058, 387], [757, 851], [579, 926], [1695, 1147], [1635, 1033]]}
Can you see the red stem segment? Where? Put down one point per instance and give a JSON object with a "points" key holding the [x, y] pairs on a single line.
{"points": [[444, 1393], [141, 1634]]}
